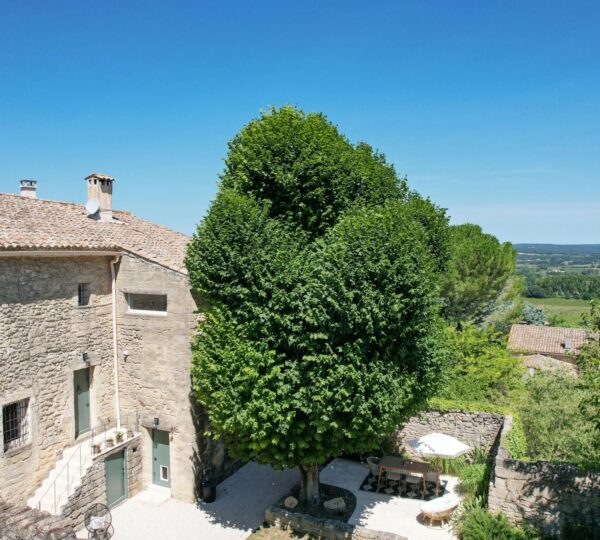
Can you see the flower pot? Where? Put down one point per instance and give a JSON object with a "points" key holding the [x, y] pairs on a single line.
{"points": [[95, 449], [110, 443], [373, 463], [130, 434]]}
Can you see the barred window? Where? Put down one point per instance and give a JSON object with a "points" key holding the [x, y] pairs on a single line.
{"points": [[83, 294], [15, 424], [147, 302]]}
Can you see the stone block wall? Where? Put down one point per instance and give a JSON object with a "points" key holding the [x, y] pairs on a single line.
{"points": [[93, 486], [155, 378], [330, 529], [476, 429], [43, 335], [544, 493], [23, 523]]}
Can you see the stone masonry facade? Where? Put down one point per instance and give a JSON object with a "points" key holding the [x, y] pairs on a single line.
{"points": [[43, 335], [546, 494], [93, 485]]}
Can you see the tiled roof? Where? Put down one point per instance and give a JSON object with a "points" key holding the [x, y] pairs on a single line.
{"points": [[547, 363], [546, 339], [37, 224]]}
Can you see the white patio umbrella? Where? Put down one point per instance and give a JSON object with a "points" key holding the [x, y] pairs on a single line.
{"points": [[439, 445]]}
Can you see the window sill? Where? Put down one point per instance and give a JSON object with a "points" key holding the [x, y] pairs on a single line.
{"points": [[143, 313], [16, 451]]}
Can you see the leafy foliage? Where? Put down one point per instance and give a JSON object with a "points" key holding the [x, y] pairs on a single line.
{"points": [[554, 426], [481, 367], [478, 271], [322, 274], [589, 368], [564, 286], [307, 171], [533, 315], [478, 524]]}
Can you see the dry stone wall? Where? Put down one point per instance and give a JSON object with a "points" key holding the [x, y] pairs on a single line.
{"points": [[93, 486], [23, 523], [547, 494], [43, 335], [476, 429]]}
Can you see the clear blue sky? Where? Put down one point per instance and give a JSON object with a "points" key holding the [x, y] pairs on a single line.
{"points": [[490, 108]]}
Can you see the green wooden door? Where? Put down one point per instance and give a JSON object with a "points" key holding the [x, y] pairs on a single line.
{"points": [[115, 478], [81, 381], [161, 468]]}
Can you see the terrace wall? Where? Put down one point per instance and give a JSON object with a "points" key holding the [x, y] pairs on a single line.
{"points": [[546, 494], [476, 429]]}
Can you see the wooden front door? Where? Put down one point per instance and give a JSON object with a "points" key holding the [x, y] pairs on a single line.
{"points": [[161, 466], [115, 478], [81, 386]]}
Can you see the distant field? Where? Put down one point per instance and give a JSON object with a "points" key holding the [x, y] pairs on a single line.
{"points": [[570, 310]]}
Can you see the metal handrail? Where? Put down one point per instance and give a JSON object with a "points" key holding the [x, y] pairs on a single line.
{"points": [[105, 427], [53, 484]]}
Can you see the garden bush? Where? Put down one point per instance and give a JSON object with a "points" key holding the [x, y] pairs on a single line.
{"points": [[479, 524]]}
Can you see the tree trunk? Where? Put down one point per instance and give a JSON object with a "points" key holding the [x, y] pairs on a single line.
{"points": [[309, 484]]}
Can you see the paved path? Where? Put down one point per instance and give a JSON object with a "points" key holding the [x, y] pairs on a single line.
{"points": [[239, 508]]}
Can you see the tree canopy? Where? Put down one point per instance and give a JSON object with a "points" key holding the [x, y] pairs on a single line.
{"points": [[321, 270], [478, 271]]}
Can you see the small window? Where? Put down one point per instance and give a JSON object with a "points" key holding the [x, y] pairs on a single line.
{"points": [[164, 473], [147, 302], [15, 424], [83, 294]]}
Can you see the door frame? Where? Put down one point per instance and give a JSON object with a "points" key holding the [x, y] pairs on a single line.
{"points": [[123, 452], [161, 483], [75, 402]]}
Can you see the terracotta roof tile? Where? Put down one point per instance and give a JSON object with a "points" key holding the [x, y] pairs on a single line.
{"points": [[546, 339], [38, 224]]}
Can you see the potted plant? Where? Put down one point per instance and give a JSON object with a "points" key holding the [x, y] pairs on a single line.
{"points": [[119, 436], [373, 463], [129, 433], [110, 442], [95, 448]]}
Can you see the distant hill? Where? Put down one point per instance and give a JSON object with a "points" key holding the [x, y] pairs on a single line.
{"points": [[559, 249]]}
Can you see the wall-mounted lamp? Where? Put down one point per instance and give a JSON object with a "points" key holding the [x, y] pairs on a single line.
{"points": [[155, 422], [86, 358]]}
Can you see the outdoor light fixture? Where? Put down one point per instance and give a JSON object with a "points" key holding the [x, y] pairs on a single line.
{"points": [[86, 358], [155, 421]]}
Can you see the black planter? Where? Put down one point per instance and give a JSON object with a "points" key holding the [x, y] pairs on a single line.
{"points": [[209, 491]]}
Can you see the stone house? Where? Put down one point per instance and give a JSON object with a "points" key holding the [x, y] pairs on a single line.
{"points": [[96, 318], [550, 341]]}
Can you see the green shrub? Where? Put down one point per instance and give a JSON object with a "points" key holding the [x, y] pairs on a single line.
{"points": [[473, 480], [453, 466], [479, 524]]}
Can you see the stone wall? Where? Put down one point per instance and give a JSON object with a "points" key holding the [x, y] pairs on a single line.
{"points": [[93, 486], [43, 335], [544, 493], [155, 378], [330, 529], [23, 523], [473, 428]]}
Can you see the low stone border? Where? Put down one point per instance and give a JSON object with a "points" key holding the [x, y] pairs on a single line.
{"points": [[23, 523], [330, 529]]}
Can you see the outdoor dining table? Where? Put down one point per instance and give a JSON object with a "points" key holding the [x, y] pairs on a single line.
{"points": [[396, 464]]}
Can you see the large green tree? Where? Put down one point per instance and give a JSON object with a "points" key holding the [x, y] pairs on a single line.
{"points": [[478, 272], [321, 271]]}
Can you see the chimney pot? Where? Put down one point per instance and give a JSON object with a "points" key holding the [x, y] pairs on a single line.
{"points": [[29, 188], [99, 187]]}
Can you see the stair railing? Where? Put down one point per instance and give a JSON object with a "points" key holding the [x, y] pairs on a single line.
{"points": [[65, 468]]}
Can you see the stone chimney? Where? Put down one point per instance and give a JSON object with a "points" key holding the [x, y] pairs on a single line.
{"points": [[29, 188], [99, 187]]}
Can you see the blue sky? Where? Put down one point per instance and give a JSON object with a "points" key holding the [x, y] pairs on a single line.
{"points": [[490, 108]]}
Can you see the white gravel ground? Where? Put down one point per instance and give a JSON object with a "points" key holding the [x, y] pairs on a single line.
{"points": [[239, 508]]}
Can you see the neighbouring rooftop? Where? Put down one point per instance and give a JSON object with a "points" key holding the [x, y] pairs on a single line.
{"points": [[547, 339]]}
